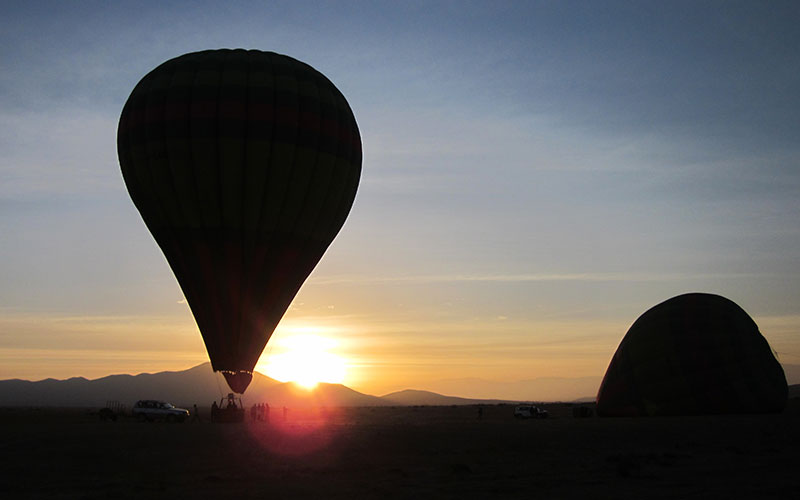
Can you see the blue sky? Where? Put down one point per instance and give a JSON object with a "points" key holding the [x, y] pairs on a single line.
{"points": [[536, 175]]}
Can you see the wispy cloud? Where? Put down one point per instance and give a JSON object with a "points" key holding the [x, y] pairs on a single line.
{"points": [[517, 278]]}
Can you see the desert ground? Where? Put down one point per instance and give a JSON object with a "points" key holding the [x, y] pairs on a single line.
{"points": [[400, 452]]}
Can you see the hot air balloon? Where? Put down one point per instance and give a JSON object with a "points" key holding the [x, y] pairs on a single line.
{"points": [[694, 354], [244, 166]]}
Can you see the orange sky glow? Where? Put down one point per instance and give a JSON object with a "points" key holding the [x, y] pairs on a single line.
{"points": [[535, 177]]}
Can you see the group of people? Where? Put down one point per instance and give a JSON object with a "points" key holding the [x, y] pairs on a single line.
{"points": [[229, 411], [260, 412]]}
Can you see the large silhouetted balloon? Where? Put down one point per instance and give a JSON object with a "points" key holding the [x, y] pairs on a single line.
{"points": [[691, 355], [244, 165]]}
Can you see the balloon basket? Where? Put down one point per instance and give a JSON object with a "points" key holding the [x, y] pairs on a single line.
{"points": [[230, 410]]}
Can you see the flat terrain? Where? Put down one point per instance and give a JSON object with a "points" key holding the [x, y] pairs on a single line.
{"points": [[407, 452]]}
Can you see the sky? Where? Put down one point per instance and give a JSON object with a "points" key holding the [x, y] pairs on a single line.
{"points": [[536, 175]]}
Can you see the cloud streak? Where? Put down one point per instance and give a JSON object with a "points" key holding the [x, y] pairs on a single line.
{"points": [[522, 278]]}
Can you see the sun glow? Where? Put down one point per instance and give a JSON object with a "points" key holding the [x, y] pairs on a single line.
{"points": [[306, 361]]}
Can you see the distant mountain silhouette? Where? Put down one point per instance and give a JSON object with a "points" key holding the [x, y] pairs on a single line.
{"points": [[411, 397], [567, 389], [292, 395], [534, 389], [198, 385]]}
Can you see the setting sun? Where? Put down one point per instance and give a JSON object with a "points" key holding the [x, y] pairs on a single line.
{"points": [[305, 360]]}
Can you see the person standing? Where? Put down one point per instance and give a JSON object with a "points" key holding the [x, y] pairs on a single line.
{"points": [[196, 414]]}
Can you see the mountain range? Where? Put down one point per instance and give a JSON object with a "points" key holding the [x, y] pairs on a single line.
{"points": [[201, 385]]}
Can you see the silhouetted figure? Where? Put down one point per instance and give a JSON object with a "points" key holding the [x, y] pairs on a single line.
{"points": [[266, 412], [480, 412], [253, 413], [195, 414]]}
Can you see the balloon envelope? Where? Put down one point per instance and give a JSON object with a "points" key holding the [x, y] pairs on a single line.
{"points": [[244, 166], [694, 354]]}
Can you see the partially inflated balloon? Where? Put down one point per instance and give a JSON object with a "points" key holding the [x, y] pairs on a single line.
{"points": [[694, 354], [244, 165]]}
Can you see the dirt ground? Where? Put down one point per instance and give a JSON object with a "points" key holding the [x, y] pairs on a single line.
{"points": [[409, 452]]}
